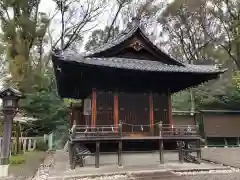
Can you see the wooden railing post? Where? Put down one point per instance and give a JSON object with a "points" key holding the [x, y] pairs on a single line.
{"points": [[161, 149], [198, 130], [97, 154], [198, 146], [120, 128], [181, 157], [71, 152], [160, 128], [120, 153]]}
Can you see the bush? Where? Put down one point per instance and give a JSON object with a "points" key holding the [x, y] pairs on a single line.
{"points": [[41, 145], [18, 159]]}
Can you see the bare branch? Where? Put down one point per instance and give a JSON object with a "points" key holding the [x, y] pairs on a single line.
{"points": [[120, 6]]}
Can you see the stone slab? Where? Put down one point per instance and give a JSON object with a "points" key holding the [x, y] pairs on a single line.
{"points": [[132, 162]]}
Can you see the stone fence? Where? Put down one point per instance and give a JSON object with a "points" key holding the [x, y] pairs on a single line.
{"points": [[26, 143]]}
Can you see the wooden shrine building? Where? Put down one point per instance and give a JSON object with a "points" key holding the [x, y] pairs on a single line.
{"points": [[129, 80]]}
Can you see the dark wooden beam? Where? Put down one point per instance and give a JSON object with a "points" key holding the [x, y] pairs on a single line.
{"points": [[151, 117], [170, 120], [115, 110], [94, 107]]}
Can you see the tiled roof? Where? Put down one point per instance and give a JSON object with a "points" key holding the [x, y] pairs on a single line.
{"points": [[10, 88], [136, 64]]}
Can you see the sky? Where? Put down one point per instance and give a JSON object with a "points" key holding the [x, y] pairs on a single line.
{"points": [[47, 6]]}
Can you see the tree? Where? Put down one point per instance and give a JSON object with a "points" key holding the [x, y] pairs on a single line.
{"points": [[77, 17], [227, 12], [198, 35], [125, 11], [188, 40], [229, 100], [220, 22], [99, 36], [45, 105], [22, 25]]}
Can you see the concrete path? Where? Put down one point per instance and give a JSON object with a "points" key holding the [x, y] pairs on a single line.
{"points": [[226, 156]]}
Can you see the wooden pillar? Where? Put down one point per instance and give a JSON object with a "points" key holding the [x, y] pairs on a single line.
{"points": [[97, 154], [94, 108], [71, 155], [170, 108], [151, 118], [120, 153], [161, 149], [181, 158], [198, 145], [115, 110], [225, 142]]}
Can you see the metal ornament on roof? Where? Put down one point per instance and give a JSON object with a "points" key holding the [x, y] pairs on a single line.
{"points": [[137, 45]]}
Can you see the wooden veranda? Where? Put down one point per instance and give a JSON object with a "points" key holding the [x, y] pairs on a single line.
{"points": [[182, 135]]}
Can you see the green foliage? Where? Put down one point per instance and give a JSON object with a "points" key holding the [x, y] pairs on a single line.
{"points": [[181, 101], [22, 26], [205, 99], [16, 160], [44, 104], [41, 145], [228, 100], [48, 108]]}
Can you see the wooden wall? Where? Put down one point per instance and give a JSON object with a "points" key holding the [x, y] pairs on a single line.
{"points": [[221, 125], [138, 109]]}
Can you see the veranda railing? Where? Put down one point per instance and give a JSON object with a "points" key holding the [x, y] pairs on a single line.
{"points": [[162, 130]]}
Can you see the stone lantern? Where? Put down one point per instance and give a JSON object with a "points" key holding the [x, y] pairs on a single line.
{"points": [[10, 98]]}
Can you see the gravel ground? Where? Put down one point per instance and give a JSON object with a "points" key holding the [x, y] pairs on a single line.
{"points": [[43, 170], [231, 176]]}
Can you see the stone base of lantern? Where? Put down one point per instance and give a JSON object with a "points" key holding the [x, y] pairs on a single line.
{"points": [[4, 170]]}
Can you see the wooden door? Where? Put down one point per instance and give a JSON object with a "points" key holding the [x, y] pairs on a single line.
{"points": [[160, 108], [104, 102], [134, 112]]}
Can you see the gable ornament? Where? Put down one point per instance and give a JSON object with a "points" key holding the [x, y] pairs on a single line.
{"points": [[137, 45]]}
